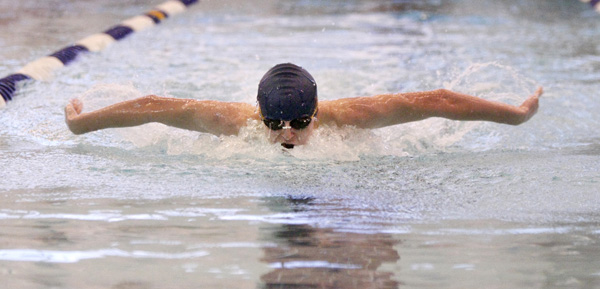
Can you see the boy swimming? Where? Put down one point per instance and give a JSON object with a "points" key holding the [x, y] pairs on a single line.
{"points": [[288, 106]]}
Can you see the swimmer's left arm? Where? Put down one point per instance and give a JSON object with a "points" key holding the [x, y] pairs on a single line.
{"points": [[391, 109]]}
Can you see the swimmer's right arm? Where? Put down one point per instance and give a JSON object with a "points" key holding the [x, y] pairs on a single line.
{"points": [[218, 118]]}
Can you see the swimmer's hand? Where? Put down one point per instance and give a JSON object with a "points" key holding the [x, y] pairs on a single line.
{"points": [[72, 115], [529, 107]]}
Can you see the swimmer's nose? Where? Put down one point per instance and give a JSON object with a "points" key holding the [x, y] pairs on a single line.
{"points": [[287, 132]]}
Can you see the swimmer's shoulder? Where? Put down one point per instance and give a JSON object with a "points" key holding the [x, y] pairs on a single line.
{"points": [[341, 111], [237, 114], [326, 111], [247, 111], [220, 117]]}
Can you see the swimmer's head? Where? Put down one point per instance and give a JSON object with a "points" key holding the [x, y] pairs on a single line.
{"points": [[287, 92], [287, 99]]}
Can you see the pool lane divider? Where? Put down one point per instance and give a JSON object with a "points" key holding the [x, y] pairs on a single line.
{"points": [[595, 4], [43, 68]]}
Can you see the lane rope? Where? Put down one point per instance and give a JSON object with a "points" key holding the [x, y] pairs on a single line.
{"points": [[43, 68]]}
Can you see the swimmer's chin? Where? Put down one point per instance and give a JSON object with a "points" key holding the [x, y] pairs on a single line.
{"points": [[287, 145]]}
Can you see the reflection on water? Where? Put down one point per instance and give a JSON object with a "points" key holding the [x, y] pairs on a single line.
{"points": [[282, 242], [324, 258], [312, 257]]}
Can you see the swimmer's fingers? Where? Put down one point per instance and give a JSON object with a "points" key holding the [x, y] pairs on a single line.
{"points": [[77, 105], [74, 108], [533, 100], [72, 111], [538, 92], [531, 104]]}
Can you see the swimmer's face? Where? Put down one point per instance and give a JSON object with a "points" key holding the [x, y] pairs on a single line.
{"points": [[291, 133]]}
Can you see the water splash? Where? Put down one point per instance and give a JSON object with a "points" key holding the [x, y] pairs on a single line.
{"points": [[493, 81], [102, 95]]}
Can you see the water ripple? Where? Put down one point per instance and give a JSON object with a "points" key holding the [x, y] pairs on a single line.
{"points": [[49, 256]]}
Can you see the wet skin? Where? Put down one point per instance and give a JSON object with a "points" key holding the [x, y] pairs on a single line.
{"points": [[289, 137]]}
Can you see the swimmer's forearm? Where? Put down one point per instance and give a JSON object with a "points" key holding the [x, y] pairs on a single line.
{"points": [[457, 106]]}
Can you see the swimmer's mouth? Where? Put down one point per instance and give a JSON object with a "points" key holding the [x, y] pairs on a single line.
{"points": [[287, 145]]}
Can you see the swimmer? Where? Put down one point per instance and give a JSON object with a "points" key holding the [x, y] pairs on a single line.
{"points": [[289, 108]]}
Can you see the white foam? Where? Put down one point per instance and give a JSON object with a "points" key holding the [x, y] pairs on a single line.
{"points": [[49, 256]]}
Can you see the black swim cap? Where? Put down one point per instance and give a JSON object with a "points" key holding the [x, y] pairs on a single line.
{"points": [[287, 92]]}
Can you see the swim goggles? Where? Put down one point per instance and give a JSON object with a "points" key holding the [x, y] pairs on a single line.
{"points": [[298, 124]]}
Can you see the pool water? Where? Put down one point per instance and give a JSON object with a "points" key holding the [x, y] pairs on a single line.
{"points": [[430, 204]]}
